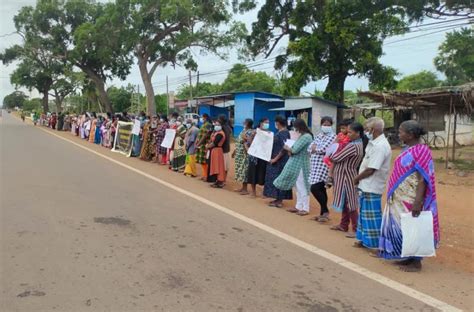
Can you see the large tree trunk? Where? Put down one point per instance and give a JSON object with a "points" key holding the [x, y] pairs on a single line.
{"points": [[58, 101], [45, 101], [335, 88], [100, 85], [146, 78]]}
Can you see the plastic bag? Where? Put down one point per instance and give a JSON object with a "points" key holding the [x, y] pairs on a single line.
{"points": [[418, 235]]}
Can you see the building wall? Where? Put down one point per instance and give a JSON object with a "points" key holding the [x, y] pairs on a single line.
{"points": [[464, 130], [261, 110], [243, 109], [213, 111], [321, 109]]}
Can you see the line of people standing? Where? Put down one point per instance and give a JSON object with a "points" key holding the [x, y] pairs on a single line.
{"points": [[355, 163]]}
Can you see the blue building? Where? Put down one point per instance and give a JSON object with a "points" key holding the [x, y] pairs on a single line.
{"points": [[311, 109], [239, 106]]}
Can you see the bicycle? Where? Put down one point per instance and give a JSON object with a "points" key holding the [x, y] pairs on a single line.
{"points": [[434, 141]]}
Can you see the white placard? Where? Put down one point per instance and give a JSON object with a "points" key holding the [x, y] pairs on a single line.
{"points": [[294, 135], [262, 145], [290, 143], [169, 138], [136, 127]]}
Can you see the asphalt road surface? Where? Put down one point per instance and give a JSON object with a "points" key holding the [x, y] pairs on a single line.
{"points": [[79, 233]]}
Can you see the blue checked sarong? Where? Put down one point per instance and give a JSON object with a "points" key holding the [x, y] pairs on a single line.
{"points": [[370, 219]]}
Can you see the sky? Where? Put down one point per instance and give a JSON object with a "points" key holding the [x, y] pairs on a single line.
{"points": [[407, 56]]}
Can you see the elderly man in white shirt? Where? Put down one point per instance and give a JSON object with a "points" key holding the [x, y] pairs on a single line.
{"points": [[373, 174]]}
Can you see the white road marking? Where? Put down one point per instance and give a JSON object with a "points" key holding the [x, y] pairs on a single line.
{"points": [[410, 292]]}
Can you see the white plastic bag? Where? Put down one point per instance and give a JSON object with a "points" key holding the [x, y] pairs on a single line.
{"points": [[418, 235]]}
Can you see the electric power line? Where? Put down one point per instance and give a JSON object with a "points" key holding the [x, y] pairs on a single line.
{"points": [[441, 22], [423, 35], [9, 34]]}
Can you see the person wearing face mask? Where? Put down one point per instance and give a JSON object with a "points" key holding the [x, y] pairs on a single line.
{"points": [[277, 162], [342, 139], [161, 152], [257, 167], [373, 174], [296, 171], [216, 156], [190, 141], [178, 150], [201, 142], [319, 170]]}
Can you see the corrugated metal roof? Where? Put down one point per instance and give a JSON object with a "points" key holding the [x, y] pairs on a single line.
{"points": [[269, 99], [293, 107]]}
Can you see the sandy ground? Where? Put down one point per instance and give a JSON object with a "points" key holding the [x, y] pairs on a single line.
{"points": [[447, 277]]}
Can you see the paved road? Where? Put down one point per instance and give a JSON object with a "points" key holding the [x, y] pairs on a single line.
{"points": [[80, 233]]}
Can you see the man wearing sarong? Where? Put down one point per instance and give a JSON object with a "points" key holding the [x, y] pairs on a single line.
{"points": [[373, 174]]}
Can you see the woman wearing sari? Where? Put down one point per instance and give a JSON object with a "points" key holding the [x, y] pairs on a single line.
{"points": [[190, 141], [201, 142], [276, 165], [98, 130], [296, 170], [411, 188], [161, 152], [148, 148], [346, 163], [216, 156], [178, 156], [93, 125], [241, 157]]}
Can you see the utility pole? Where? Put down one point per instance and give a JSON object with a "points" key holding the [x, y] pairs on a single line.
{"points": [[167, 97], [190, 86], [139, 104], [197, 92]]}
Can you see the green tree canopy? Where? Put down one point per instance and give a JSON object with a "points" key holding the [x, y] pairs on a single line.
{"points": [[32, 105], [203, 89], [120, 98], [422, 80], [456, 57], [15, 99], [163, 33], [83, 33], [327, 39], [338, 39], [241, 78]]}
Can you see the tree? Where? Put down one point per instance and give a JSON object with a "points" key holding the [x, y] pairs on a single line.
{"points": [[98, 35], [327, 39], [32, 105], [456, 57], [163, 33], [422, 80], [120, 98], [161, 101], [338, 39], [203, 89], [38, 68], [14, 99], [64, 85], [240, 78], [85, 34]]}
